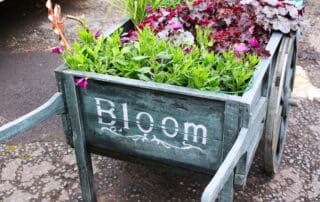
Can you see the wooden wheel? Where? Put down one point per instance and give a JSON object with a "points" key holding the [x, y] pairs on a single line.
{"points": [[278, 104]]}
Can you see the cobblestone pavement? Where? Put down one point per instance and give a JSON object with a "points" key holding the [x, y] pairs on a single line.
{"points": [[45, 170]]}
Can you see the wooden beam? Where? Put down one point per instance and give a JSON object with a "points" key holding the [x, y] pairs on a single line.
{"points": [[54, 106], [82, 155]]}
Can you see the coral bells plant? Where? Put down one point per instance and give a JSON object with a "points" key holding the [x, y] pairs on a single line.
{"points": [[204, 44]]}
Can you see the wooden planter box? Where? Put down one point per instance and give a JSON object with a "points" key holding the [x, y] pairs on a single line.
{"points": [[155, 123]]}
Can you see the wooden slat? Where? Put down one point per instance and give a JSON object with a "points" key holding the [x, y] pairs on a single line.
{"points": [[54, 106], [82, 155], [197, 124], [252, 96], [226, 194], [256, 130], [231, 125], [221, 177], [64, 117]]}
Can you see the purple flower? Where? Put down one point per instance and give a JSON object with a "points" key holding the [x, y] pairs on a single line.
{"points": [[125, 39], [58, 50], [254, 43], [132, 35], [82, 82], [187, 50], [240, 48], [175, 26], [97, 35], [149, 9]]}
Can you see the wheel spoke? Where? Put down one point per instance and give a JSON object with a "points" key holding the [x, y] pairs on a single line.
{"points": [[277, 126]]}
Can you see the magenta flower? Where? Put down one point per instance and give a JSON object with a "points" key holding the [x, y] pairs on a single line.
{"points": [[125, 39], [82, 82], [58, 50], [240, 48], [97, 35], [149, 9], [187, 50], [254, 43], [132, 35], [175, 26]]}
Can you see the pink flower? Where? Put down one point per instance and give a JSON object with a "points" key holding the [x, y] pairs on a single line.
{"points": [[240, 48], [149, 9], [97, 35], [251, 29], [254, 43], [58, 50], [175, 26], [125, 39], [132, 35], [82, 82]]}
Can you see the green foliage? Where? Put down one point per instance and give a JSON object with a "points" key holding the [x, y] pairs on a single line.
{"points": [[159, 61], [171, 3]]}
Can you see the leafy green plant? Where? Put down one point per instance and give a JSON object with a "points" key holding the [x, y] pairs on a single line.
{"points": [[151, 59]]}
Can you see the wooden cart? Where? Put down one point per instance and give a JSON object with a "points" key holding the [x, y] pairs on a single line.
{"points": [[152, 123]]}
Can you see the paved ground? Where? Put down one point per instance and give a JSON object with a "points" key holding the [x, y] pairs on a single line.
{"points": [[40, 166]]}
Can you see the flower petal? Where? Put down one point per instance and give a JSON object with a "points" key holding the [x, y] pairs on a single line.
{"points": [[176, 26], [241, 48], [254, 43], [58, 50], [82, 82], [97, 35], [149, 9]]}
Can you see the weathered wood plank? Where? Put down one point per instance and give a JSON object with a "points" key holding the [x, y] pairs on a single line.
{"points": [[65, 116], [256, 129], [226, 194], [82, 155], [253, 94], [54, 106], [153, 125], [231, 125], [213, 189]]}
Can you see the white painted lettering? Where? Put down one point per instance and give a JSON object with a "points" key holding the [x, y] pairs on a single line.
{"points": [[125, 116], [101, 111], [145, 131], [176, 126], [195, 128]]}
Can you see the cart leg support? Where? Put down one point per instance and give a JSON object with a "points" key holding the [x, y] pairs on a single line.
{"points": [[54, 106], [241, 154], [223, 179], [83, 157]]}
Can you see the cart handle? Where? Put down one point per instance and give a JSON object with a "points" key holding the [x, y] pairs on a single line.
{"points": [[54, 106], [221, 177]]}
